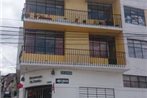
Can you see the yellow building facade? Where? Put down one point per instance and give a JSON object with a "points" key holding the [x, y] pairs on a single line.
{"points": [[77, 27]]}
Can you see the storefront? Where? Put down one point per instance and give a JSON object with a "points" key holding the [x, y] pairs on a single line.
{"points": [[39, 92]]}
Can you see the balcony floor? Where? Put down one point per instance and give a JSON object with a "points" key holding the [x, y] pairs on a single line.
{"points": [[26, 67], [55, 25]]}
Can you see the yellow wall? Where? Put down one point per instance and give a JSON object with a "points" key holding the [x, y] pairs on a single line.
{"points": [[120, 49], [76, 4], [117, 12], [77, 40], [116, 7]]}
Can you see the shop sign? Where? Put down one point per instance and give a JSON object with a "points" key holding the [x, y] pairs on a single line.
{"points": [[35, 79], [62, 81], [66, 72]]}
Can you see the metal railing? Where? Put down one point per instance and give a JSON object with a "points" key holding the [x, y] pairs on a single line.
{"points": [[71, 16], [71, 57]]}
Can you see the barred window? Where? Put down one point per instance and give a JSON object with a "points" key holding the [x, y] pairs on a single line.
{"points": [[135, 81], [94, 92]]}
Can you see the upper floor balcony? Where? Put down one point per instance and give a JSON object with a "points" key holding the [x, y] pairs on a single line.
{"points": [[93, 15], [54, 49], [73, 59]]}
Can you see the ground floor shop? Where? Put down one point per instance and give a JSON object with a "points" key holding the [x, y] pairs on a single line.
{"points": [[65, 83]]}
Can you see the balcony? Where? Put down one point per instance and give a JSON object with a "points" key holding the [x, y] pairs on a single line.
{"points": [[70, 17], [73, 58]]}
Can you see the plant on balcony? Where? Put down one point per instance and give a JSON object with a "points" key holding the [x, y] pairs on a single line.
{"points": [[31, 15], [84, 21], [36, 16], [48, 17], [27, 15], [76, 20], [109, 22], [96, 22]]}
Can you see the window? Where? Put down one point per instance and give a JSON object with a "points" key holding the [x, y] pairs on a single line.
{"points": [[135, 81], [99, 11], [134, 16], [137, 48], [39, 92], [93, 92], [44, 42], [53, 7], [98, 46]]}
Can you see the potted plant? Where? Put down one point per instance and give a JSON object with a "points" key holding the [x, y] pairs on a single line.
{"points": [[84, 21], [76, 20]]}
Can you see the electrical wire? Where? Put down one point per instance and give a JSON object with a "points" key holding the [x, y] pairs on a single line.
{"points": [[21, 37]]}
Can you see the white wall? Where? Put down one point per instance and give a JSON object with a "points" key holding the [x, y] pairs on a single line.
{"points": [[130, 93], [79, 78], [137, 66]]}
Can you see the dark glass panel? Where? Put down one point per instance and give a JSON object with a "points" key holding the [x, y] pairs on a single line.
{"points": [[138, 53], [29, 43], [131, 51]]}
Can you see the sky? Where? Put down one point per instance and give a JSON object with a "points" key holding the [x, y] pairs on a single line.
{"points": [[10, 15]]}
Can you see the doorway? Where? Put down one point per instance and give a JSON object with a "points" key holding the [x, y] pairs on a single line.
{"points": [[39, 92]]}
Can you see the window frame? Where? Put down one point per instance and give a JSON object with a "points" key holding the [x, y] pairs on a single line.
{"points": [[139, 13], [138, 81], [48, 35], [94, 39], [96, 92], [97, 8], [55, 6], [133, 46]]}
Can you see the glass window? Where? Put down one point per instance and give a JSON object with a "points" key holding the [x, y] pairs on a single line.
{"points": [[135, 81], [138, 52], [40, 43], [145, 53], [52, 7], [51, 10], [98, 47], [59, 46], [99, 11], [144, 46], [50, 46], [137, 48], [41, 8], [127, 82], [45, 42], [29, 43], [131, 52], [55, 7], [31, 8], [134, 15]]}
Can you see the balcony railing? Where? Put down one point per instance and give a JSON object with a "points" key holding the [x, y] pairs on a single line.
{"points": [[71, 16], [71, 57]]}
